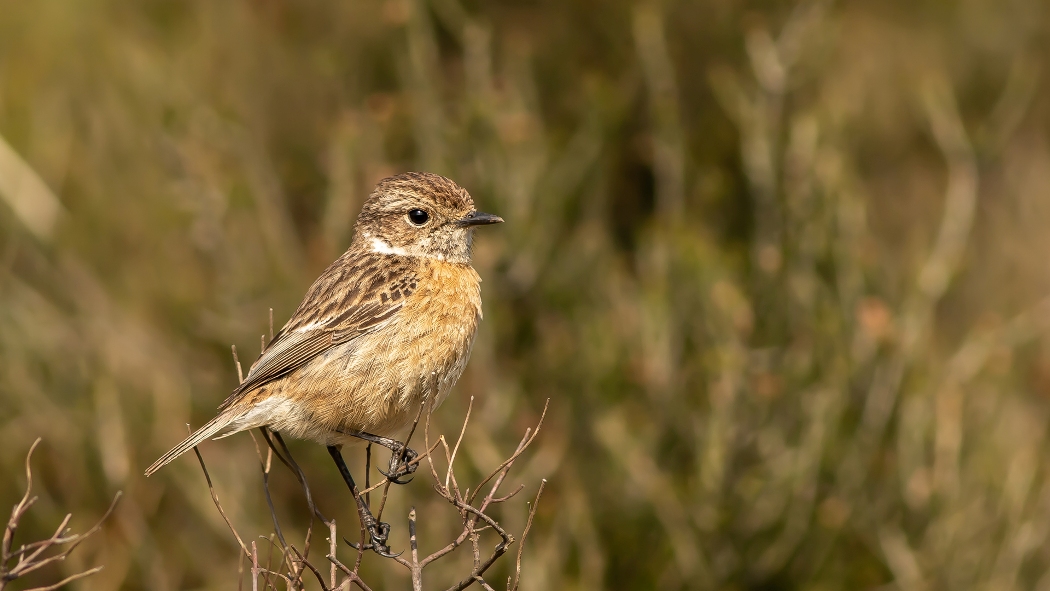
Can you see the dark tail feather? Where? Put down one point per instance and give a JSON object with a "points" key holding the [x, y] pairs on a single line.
{"points": [[206, 432]]}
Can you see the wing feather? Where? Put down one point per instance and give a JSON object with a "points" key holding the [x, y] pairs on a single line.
{"points": [[354, 296]]}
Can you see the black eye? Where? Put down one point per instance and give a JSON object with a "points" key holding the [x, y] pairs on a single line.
{"points": [[418, 217]]}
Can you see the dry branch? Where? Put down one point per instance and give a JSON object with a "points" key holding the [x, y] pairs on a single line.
{"points": [[35, 556]]}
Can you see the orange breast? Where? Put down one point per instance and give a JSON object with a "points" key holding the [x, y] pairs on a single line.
{"points": [[378, 382], [445, 313]]}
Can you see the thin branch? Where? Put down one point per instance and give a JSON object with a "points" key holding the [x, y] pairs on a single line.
{"points": [[313, 569], [351, 574], [269, 560], [215, 499], [28, 564], [417, 570], [448, 458], [426, 442], [31, 559], [475, 545], [306, 491], [459, 440], [22, 506], [255, 567], [508, 497], [68, 580], [526, 442], [525, 535], [446, 549], [237, 364], [269, 500], [333, 545]]}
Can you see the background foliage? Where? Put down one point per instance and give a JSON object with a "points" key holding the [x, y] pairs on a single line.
{"points": [[780, 267]]}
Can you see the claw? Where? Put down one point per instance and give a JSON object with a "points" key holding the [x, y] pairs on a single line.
{"points": [[395, 477], [379, 533], [355, 545], [385, 552], [401, 465], [380, 550]]}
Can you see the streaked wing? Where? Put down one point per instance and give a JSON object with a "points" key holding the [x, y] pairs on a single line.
{"points": [[280, 358], [354, 296]]}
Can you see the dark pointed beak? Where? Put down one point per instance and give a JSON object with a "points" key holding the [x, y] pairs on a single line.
{"points": [[476, 218]]}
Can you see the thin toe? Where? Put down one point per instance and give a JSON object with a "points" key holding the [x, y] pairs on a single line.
{"points": [[395, 476]]}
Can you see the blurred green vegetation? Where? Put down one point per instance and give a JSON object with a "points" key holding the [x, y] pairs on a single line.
{"points": [[780, 267]]}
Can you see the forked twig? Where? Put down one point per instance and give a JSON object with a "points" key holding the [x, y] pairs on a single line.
{"points": [[32, 557], [525, 443]]}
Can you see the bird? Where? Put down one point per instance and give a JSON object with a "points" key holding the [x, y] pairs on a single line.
{"points": [[387, 326]]}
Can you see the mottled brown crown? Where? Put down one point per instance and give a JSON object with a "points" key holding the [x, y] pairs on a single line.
{"points": [[433, 187], [384, 225]]}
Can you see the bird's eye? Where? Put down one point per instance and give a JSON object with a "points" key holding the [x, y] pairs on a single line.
{"points": [[418, 217]]}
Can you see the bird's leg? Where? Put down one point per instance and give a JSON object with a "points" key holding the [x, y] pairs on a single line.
{"points": [[401, 456], [377, 530]]}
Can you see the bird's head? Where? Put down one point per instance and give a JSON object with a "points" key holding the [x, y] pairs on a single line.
{"points": [[419, 214]]}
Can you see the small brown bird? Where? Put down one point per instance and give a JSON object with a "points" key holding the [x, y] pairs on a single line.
{"points": [[385, 327]]}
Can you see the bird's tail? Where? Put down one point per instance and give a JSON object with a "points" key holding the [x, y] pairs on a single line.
{"points": [[210, 429]]}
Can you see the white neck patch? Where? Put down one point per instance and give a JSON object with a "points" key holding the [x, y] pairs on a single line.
{"points": [[380, 246]]}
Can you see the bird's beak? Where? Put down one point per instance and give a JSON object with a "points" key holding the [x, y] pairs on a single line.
{"points": [[476, 218]]}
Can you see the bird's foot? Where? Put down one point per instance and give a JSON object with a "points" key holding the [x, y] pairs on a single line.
{"points": [[402, 463], [378, 533]]}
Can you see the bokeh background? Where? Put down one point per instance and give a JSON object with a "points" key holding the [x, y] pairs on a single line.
{"points": [[781, 269]]}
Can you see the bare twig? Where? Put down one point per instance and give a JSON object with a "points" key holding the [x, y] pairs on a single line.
{"points": [[67, 580], [237, 364], [32, 557], [215, 499], [333, 545], [459, 440], [417, 571], [525, 534], [526, 442], [350, 574], [255, 567], [269, 499], [303, 561]]}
